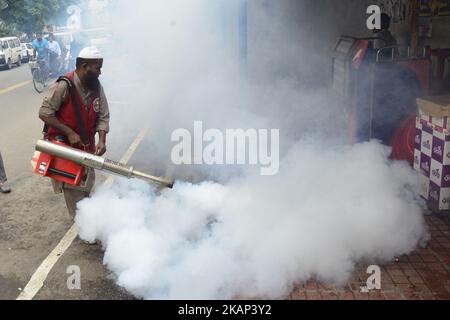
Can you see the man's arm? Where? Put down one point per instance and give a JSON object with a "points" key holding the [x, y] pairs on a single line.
{"points": [[57, 94], [52, 121], [101, 146], [102, 125]]}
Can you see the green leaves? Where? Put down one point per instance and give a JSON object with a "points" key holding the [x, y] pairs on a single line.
{"points": [[29, 16]]}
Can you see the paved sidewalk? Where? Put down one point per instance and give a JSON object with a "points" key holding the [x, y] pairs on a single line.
{"points": [[422, 275]]}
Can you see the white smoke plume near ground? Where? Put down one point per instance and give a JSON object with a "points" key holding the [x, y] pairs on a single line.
{"points": [[256, 236], [239, 234]]}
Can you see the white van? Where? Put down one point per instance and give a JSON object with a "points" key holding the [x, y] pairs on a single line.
{"points": [[10, 52]]}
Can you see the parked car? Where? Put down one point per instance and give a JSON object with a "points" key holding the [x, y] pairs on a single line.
{"points": [[27, 51], [10, 52]]}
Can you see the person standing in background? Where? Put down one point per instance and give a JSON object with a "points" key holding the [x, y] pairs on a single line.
{"points": [[54, 53], [385, 37]]}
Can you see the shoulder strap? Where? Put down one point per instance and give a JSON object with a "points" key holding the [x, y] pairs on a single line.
{"points": [[77, 107], [69, 84]]}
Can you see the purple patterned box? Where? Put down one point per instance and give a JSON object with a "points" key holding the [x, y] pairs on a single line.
{"points": [[446, 160], [432, 160], [424, 186], [438, 198], [445, 182], [418, 138], [438, 150], [433, 195], [444, 201], [425, 165], [416, 162], [427, 142]]}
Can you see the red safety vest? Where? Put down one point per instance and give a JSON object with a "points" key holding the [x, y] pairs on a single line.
{"points": [[66, 115]]}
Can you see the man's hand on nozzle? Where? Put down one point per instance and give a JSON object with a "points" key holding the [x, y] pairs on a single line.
{"points": [[100, 149], [101, 146]]}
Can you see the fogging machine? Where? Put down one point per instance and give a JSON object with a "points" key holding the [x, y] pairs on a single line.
{"points": [[58, 161]]}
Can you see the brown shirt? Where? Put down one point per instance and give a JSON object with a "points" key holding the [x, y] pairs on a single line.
{"points": [[58, 92]]}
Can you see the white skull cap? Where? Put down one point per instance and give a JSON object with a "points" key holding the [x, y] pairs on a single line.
{"points": [[90, 53]]}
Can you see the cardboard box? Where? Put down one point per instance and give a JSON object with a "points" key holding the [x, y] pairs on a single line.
{"points": [[437, 107], [432, 160]]}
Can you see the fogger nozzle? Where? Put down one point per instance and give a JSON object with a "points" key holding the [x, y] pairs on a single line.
{"points": [[96, 162]]}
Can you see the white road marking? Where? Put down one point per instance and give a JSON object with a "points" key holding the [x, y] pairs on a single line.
{"points": [[40, 275], [127, 156]]}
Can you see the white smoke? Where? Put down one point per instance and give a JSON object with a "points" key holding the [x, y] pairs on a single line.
{"points": [[238, 234], [257, 236]]}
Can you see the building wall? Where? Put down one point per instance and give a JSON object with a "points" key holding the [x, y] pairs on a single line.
{"points": [[295, 38]]}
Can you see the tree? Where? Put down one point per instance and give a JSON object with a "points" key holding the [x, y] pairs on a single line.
{"points": [[28, 16]]}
